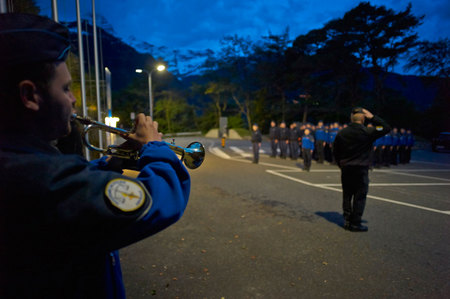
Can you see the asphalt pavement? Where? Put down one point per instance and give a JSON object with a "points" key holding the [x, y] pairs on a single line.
{"points": [[272, 230]]}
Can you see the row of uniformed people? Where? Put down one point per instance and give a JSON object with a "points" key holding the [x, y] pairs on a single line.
{"points": [[320, 140], [393, 148]]}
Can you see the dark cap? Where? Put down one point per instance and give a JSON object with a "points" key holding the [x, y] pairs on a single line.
{"points": [[26, 38], [357, 110]]}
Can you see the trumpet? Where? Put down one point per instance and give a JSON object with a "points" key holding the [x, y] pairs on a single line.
{"points": [[192, 156]]}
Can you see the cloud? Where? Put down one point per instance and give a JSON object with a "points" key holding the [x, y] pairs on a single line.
{"points": [[201, 24]]}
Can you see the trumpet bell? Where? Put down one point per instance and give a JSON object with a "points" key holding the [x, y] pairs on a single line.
{"points": [[194, 155]]}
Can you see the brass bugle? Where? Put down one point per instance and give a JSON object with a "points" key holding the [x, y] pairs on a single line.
{"points": [[192, 156]]}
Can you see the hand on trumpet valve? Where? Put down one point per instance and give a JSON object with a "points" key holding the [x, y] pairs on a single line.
{"points": [[145, 131]]}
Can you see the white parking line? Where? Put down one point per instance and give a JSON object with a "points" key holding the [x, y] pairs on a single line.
{"points": [[327, 187], [218, 152], [431, 163], [287, 169], [240, 152], [414, 175], [394, 184]]}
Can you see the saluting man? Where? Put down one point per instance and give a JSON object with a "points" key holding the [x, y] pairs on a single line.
{"points": [[352, 147], [62, 218]]}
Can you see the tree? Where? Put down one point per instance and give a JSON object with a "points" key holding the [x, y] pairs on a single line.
{"points": [[271, 72], [431, 58], [325, 70], [230, 71], [172, 112], [377, 37], [219, 93]]}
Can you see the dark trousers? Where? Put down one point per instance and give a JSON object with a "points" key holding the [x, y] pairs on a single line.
{"points": [[320, 151], [355, 185], [307, 157], [333, 160], [293, 149], [273, 146], [402, 154], [255, 151], [283, 149], [387, 156], [394, 155], [378, 156], [408, 154]]}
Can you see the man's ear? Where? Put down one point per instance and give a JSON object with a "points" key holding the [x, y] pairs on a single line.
{"points": [[29, 95]]}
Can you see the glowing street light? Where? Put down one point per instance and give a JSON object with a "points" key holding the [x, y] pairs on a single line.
{"points": [[159, 68]]}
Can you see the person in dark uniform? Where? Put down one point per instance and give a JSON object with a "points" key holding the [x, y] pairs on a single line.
{"points": [[294, 136], [62, 218], [378, 148], [284, 140], [256, 142], [387, 142], [274, 136], [351, 149], [409, 145], [334, 129], [402, 139], [395, 146], [307, 149], [321, 140]]}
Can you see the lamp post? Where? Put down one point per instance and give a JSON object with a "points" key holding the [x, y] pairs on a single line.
{"points": [[159, 68]]}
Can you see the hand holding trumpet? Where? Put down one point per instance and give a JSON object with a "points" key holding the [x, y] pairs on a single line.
{"points": [[145, 131]]}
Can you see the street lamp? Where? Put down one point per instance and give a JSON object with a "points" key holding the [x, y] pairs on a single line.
{"points": [[159, 68]]}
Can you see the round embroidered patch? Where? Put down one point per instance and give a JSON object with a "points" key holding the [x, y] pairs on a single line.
{"points": [[126, 195]]}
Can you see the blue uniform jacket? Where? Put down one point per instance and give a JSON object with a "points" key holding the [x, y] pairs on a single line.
{"points": [[62, 219], [402, 139], [387, 140], [321, 134], [332, 135], [379, 142], [308, 142], [395, 139], [409, 140]]}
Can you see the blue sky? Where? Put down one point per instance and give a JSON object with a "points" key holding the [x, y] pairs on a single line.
{"points": [[200, 24]]}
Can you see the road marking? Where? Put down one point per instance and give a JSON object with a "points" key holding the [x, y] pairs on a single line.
{"points": [[415, 175], [240, 152], [326, 187], [431, 163], [416, 170], [394, 184], [279, 173], [218, 152]]}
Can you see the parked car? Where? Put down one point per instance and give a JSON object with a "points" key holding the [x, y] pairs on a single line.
{"points": [[442, 142]]}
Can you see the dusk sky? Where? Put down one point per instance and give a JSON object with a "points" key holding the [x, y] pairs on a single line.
{"points": [[200, 24]]}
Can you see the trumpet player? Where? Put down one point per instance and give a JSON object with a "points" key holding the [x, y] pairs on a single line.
{"points": [[62, 218]]}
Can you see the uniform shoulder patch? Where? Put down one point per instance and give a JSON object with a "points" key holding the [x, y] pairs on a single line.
{"points": [[379, 128], [126, 195]]}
